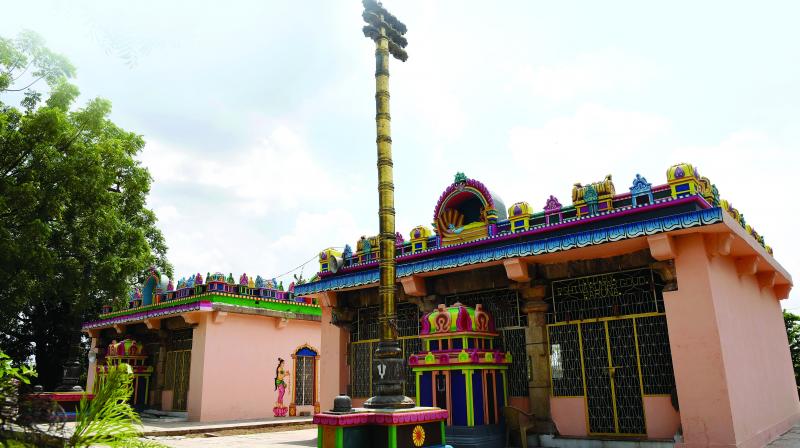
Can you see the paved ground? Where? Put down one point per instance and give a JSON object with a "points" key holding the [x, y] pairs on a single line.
{"points": [[181, 426], [308, 438], [789, 440], [282, 439]]}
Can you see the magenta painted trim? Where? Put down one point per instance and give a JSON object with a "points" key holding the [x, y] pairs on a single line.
{"points": [[612, 214], [380, 418], [61, 396], [202, 305]]}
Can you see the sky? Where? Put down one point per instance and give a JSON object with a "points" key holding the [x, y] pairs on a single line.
{"points": [[259, 115]]}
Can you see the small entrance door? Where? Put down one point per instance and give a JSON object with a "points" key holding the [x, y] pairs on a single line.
{"points": [[613, 384], [177, 377]]}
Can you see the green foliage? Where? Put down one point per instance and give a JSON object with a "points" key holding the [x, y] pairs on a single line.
{"points": [[11, 375], [792, 322], [20, 419], [108, 419], [75, 231]]}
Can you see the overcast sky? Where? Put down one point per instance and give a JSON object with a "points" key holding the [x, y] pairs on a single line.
{"points": [[259, 116]]}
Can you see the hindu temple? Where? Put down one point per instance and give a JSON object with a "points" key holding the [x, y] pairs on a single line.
{"points": [[648, 314]]}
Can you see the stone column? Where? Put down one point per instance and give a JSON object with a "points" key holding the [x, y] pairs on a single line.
{"points": [[537, 350]]}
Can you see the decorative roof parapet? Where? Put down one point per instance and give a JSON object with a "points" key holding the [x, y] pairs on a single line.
{"points": [[459, 184], [467, 214], [640, 185], [514, 248], [552, 204]]}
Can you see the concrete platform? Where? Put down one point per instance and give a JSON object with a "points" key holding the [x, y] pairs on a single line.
{"points": [[790, 439], [182, 427]]}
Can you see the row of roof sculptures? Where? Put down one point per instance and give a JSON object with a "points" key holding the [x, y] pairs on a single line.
{"points": [[467, 212]]}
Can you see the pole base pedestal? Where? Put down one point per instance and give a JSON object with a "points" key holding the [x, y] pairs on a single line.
{"points": [[418, 427]]}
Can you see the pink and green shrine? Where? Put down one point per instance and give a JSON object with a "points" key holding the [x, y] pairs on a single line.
{"points": [[462, 369]]}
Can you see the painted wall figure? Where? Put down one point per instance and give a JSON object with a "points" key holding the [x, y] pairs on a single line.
{"points": [[281, 381]]}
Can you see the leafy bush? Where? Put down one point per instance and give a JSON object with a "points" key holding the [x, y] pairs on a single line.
{"points": [[108, 419]]}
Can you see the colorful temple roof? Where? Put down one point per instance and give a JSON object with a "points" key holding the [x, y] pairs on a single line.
{"points": [[471, 225], [158, 298]]}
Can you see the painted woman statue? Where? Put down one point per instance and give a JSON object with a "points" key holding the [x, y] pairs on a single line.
{"points": [[281, 382]]}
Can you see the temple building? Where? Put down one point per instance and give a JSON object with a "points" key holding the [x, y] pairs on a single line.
{"points": [[214, 348], [647, 314]]}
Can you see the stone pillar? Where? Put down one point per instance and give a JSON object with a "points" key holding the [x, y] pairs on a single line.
{"points": [[539, 370]]}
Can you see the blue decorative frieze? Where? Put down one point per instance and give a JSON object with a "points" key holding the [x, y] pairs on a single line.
{"points": [[528, 248]]}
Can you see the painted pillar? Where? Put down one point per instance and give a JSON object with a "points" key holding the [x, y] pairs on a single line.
{"points": [[537, 350], [470, 398]]}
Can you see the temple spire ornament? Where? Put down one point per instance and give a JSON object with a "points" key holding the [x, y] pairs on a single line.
{"points": [[388, 363]]}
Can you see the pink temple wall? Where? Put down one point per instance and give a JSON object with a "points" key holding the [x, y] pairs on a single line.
{"points": [[233, 365], [661, 419], [569, 416], [732, 367]]}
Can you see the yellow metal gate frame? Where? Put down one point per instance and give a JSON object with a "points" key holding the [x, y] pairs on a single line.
{"points": [[605, 321], [176, 377]]}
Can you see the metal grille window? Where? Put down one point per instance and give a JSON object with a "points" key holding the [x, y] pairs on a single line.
{"points": [[565, 361], [510, 322], [368, 323], [605, 295], [502, 304], [363, 342], [304, 381], [408, 316], [360, 371], [513, 341], [655, 355]]}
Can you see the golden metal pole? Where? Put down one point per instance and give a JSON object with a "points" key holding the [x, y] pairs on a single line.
{"points": [[388, 363], [386, 290]]}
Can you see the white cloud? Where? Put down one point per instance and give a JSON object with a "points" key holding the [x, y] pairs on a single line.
{"points": [[582, 147], [586, 74], [273, 174], [260, 210]]}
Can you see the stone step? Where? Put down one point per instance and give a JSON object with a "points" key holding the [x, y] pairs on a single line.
{"points": [[550, 441]]}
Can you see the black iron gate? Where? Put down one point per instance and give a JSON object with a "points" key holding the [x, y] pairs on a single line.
{"points": [[608, 343]]}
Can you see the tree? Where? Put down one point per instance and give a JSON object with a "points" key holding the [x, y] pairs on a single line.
{"points": [[75, 231], [792, 322]]}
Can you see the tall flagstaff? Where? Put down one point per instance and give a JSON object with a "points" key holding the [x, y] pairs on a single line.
{"points": [[388, 363]]}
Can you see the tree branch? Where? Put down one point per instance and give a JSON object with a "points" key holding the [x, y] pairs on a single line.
{"points": [[23, 72], [24, 88]]}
